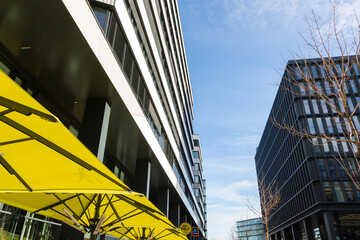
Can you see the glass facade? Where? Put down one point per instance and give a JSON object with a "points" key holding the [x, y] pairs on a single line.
{"points": [[251, 229], [313, 172], [19, 224]]}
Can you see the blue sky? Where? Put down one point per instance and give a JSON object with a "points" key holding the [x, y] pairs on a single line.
{"points": [[235, 49]]}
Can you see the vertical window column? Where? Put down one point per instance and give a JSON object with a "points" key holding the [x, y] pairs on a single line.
{"points": [[93, 132]]}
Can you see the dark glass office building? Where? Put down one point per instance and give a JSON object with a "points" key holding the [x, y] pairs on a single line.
{"points": [[318, 198]]}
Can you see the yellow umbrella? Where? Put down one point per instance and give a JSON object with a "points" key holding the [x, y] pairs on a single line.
{"points": [[38, 153], [148, 233], [115, 213], [46, 170]]}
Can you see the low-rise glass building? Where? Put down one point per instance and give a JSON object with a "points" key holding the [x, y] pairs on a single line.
{"points": [[250, 229]]}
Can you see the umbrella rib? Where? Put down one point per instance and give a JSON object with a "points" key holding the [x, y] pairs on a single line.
{"points": [[151, 232], [106, 206], [160, 233], [20, 108], [145, 209], [6, 112], [82, 206], [55, 204], [114, 209], [15, 141], [139, 205], [59, 149], [12, 171], [87, 207], [122, 218], [76, 216], [124, 234]]}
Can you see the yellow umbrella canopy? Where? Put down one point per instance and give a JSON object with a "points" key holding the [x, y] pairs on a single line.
{"points": [[116, 213], [46, 170], [37, 152], [150, 233]]}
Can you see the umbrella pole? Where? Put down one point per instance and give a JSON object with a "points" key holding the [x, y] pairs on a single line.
{"points": [[92, 236]]}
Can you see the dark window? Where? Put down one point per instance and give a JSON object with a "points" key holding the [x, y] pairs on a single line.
{"points": [[101, 16], [119, 45], [321, 167], [196, 142], [328, 191], [4, 68], [128, 64]]}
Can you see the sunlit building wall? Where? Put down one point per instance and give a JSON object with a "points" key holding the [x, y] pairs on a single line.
{"points": [[115, 73]]}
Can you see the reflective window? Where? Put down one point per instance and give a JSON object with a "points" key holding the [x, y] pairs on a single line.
{"points": [[316, 145], [302, 89], [314, 72], [196, 154], [326, 145], [341, 169], [298, 73], [319, 87], [101, 16], [333, 105], [342, 108], [4, 68], [344, 145], [315, 106], [335, 145], [331, 166], [352, 85], [311, 125], [30, 91], [350, 104], [310, 90], [353, 168], [346, 88], [74, 130], [306, 72], [329, 125], [18, 81], [323, 106], [349, 191], [356, 122], [356, 69], [322, 71], [338, 125], [328, 191], [306, 106], [347, 69], [327, 88], [338, 192], [338, 69], [321, 167], [320, 125], [196, 167]]}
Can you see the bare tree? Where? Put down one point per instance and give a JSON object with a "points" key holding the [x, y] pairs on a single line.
{"points": [[331, 83], [232, 235], [270, 198]]}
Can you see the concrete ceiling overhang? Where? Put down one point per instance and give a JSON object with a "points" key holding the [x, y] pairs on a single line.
{"points": [[45, 42]]}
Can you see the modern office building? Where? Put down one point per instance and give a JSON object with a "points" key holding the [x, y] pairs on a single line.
{"points": [[250, 229], [318, 198], [115, 73]]}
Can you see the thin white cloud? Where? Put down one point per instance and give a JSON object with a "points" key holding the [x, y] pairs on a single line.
{"points": [[236, 192], [239, 141], [261, 13]]}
